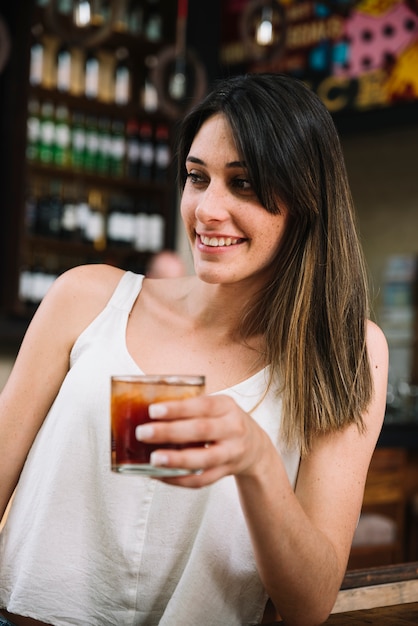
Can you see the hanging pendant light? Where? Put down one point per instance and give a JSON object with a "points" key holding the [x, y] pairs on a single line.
{"points": [[178, 75], [82, 32], [263, 29]]}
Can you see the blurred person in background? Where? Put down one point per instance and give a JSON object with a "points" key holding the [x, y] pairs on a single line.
{"points": [[166, 264]]}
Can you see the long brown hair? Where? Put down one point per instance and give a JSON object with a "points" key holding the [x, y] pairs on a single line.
{"points": [[313, 312]]}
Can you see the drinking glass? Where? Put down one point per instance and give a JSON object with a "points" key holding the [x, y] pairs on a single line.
{"points": [[131, 396]]}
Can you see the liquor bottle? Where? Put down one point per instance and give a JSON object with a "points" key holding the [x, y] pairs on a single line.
{"points": [[104, 147], [91, 76], [121, 222], [113, 222], [121, 18], [83, 215], [37, 59], [141, 236], [47, 133], [146, 151], [154, 24], [25, 285], [162, 154], [82, 13], [69, 220], [62, 143], [78, 140], [65, 7], [31, 208], [33, 130], [95, 232], [92, 144], [117, 157], [100, 12], [38, 281], [149, 97], [55, 203], [122, 77], [155, 232], [49, 211], [136, 17], [133, 149], [64, 69], [128, 221]]}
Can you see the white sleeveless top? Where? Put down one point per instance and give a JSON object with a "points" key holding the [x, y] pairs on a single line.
{"points": [[85, 546]]}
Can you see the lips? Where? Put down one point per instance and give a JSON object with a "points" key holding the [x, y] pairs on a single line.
{"points": [[219, 242]]}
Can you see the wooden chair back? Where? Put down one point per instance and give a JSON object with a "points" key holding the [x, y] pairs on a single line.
{"points": [[388, 585]]}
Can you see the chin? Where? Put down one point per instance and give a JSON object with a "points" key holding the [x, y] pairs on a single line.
{"points": [[212, 278]]}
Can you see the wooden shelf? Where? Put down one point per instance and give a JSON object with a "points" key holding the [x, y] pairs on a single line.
{"points": [[68, 247], [95, 106], [93, 179]]}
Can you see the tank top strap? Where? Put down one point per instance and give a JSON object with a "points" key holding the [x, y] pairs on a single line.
{"points": [[126, 291]]}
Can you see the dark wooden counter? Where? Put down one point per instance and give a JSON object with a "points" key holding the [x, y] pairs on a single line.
{"points": [[396, 587], [398, 615]]}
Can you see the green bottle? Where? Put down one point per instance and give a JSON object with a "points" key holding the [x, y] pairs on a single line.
{"points": [[78, 141], [92, 144], [104, 148], [62, 144], [33, 131], [47, 133], [117, 157]]}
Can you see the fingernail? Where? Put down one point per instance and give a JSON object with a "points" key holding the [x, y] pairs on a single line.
{"points": [[158, 458], [157, 410], [144, 432]]}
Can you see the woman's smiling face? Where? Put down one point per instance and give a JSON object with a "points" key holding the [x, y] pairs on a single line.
{"points": [[233, 237]]}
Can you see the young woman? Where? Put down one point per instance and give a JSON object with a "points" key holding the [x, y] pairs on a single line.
{"points": [[275, 317]]}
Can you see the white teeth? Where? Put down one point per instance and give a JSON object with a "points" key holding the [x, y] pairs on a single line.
{"points": [[218, 242]]}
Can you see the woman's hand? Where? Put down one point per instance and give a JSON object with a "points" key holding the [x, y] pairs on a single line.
{"points": [[231, 441]]}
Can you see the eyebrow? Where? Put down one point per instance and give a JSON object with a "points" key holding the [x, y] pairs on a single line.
{"points": [[192, 159]]}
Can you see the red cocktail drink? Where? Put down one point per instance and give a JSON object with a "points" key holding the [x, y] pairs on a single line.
{"points": [[130, 399]]}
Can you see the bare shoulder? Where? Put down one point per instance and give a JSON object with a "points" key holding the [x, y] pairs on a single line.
{"points": [[377, 347], [375, 337], [95, 280], [76, 298]]}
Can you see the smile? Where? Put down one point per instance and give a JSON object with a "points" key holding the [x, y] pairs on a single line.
{"points": [[218, 241]]}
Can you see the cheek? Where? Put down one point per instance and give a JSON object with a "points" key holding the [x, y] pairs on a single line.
{"points": [[187, 215], [276, 233], [185, 211]]}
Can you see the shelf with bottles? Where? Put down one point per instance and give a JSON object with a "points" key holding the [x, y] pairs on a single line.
{"points": [[149, 21], [134, 154], [91, 220], [96, 80], [146, 107], [114, 72], [67, 225]]}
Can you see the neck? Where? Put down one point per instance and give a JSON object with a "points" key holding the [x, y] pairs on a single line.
{"points": [[216, 306]]}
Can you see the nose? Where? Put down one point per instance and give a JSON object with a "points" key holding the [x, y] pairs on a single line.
{"points": [[212, 205]]}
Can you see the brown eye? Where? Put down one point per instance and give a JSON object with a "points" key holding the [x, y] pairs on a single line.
{"points": [[195, 178], [243, 183]]}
